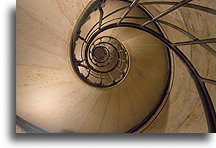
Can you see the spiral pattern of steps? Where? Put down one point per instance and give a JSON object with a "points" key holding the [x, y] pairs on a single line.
{"points": [[119, 78]]}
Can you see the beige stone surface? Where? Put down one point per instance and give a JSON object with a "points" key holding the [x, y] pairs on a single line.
{"points": [[50, 95], [183, 111], [19, 129]]}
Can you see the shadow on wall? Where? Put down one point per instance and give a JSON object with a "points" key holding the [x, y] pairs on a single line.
{"points": [[159, 126], [12, 69]]}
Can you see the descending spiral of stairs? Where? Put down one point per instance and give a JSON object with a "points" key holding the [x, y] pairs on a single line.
{"points": [[113, 66]]}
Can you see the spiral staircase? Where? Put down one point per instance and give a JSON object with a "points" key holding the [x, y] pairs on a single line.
{"points": [[114, 66]]}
